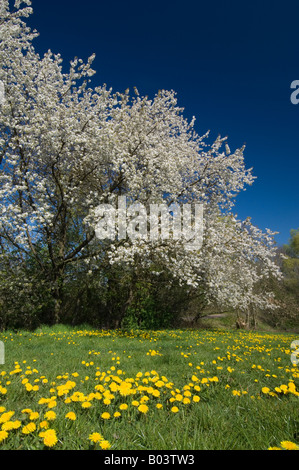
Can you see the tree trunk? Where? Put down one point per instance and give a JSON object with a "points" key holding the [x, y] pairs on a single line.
{"points": [[57, 294]]}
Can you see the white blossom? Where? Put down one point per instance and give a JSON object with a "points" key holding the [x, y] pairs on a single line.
{"points": [[67, 148]]}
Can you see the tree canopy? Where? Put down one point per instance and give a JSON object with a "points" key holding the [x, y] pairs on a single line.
{"points": [[66, 148]]}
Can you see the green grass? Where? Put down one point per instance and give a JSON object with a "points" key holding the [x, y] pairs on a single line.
{"points": [[227, 370]]}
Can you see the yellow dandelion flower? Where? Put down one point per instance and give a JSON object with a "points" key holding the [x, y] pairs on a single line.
{"points": [[3, 435], [125, 388], [174, 409], [50, 437], [86, 404], [143, 408], [159, 383], [71, 416], [16, 424], [50, 415], [95, 437], [44, 424], [105, 415], [30, 427], [123, 406], [8, 426], [43, 400], [52, 404], [144, 399], [288, 445], [6, 416], [105, 444]]}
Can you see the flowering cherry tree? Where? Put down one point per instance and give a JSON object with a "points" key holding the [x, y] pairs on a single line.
{"points": [[66, 148]]}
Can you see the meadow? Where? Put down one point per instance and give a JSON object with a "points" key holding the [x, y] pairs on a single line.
{"points": [[81, 388]]}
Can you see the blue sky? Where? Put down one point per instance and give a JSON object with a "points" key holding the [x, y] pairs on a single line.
{"points": [[230, 62]]}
